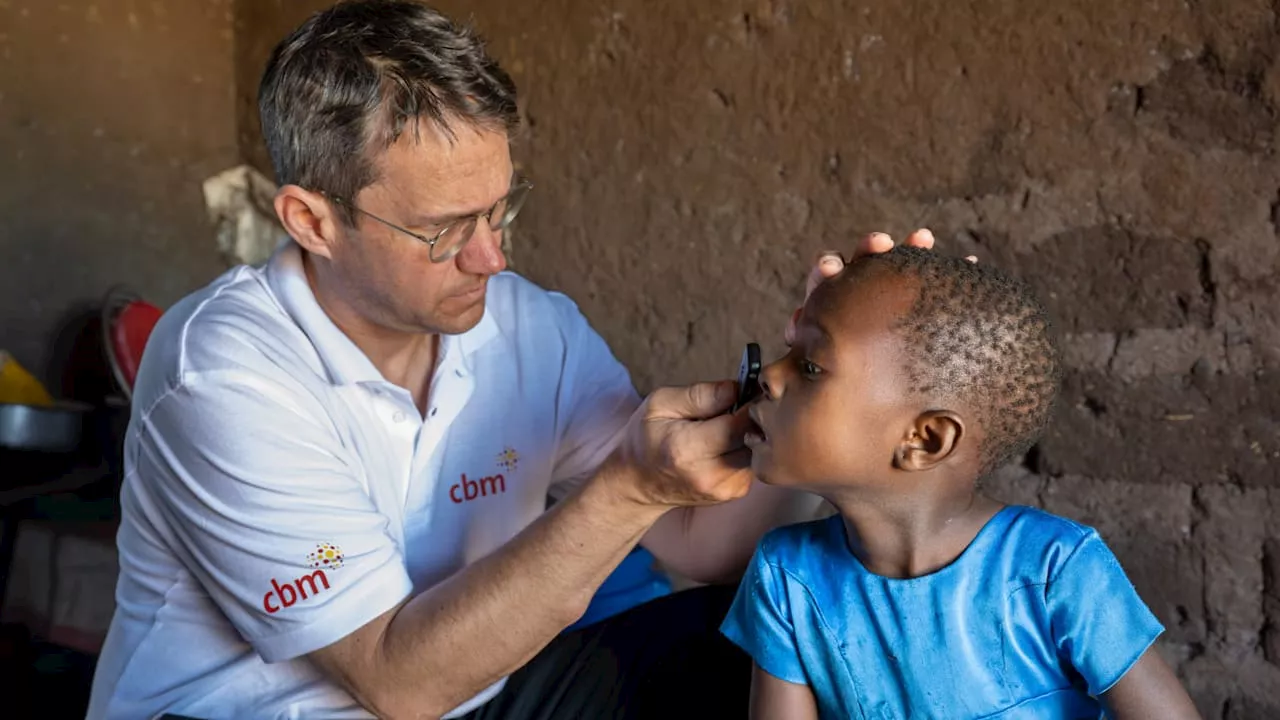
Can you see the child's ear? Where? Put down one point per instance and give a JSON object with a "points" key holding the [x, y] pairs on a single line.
{"points": [[932, 438]]}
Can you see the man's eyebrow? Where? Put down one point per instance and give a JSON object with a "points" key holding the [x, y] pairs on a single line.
{"points": [[428, 220], [444, 219]]}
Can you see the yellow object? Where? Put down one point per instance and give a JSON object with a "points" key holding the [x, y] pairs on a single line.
{"points": [[19, 386]]}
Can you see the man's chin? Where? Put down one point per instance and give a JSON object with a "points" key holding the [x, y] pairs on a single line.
{"points": [[458, 323]]}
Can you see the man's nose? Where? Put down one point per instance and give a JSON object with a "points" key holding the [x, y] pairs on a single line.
{"points": [[482, 255]]}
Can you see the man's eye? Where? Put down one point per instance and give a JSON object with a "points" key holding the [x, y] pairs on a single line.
{"points": [[809, 369]]}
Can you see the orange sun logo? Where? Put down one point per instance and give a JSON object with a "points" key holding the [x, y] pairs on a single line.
{"points": [[508, 459], [327, 556]]}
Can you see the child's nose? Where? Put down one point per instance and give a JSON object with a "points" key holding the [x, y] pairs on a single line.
{"points": [[771, 381]]}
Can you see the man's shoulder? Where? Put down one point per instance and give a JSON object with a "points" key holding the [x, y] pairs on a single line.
{"points": [[234, 322], [522, 307], [513, 296]]}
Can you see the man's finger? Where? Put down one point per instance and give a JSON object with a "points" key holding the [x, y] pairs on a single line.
{"points": [[876, 242], [827, 264], [830, 263], [790, 334], [740, 479], [738, 465], [922, 238], [718, 435], [694, 402], [739, 459]]}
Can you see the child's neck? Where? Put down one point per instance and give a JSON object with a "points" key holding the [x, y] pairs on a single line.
{"points": [[915, 538]]}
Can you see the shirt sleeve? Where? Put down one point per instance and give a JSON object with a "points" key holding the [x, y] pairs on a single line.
{"points": [[1100, 624], [245, 479], [595, 402], [760, 621]]}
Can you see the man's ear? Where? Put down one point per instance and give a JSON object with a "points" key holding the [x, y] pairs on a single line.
{"points": [[933, 437], [309, 218]]}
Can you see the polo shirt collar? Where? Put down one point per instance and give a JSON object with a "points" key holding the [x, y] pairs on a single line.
{"points": [[345, 363]]}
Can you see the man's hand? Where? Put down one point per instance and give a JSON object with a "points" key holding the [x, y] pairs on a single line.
{"points": [[426, 657], [685, 449], [830, 263]]}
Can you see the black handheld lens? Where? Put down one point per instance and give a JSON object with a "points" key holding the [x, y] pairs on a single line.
{"points": [[748, 376]]}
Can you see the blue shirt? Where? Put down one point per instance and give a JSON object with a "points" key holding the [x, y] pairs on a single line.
{"points": [[1033, 620]]}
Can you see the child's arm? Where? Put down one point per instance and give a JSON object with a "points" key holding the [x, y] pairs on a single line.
{"points": [[1149, 690], [775, 699], [1107, 633]]}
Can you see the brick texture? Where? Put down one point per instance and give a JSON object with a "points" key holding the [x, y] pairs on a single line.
{"points": [[1119, 154]]}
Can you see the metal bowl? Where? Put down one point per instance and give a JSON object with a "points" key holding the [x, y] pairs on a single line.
{"points": [[55, 429]]}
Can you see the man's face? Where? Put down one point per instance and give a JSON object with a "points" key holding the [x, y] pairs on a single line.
{"points": [[425, 181], [834, 408]]}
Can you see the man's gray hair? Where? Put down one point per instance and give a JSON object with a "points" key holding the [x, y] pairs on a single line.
{"points": [[346, 83]]}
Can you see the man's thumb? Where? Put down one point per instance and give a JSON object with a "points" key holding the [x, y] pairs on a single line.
{"points": [[706, 400]]}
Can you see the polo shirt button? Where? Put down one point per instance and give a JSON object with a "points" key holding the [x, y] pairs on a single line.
{"points": [[398, 417], [434, 410]]}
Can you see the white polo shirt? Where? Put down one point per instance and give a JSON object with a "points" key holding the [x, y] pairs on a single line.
{"points": [[279, 493]]}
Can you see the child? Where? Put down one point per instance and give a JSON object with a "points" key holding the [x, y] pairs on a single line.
{"points": [[912, 376]]}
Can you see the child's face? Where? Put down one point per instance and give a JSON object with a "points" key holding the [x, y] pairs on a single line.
{"points": [[834, 408]]}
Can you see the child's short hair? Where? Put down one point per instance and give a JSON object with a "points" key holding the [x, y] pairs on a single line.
{"points": [[978, 336]]}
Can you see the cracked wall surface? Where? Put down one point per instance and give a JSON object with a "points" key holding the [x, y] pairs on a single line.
{"points": [[691, 157], [112, 113]]}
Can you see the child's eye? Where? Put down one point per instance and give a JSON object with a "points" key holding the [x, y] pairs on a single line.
{"points": [[808, 369]]}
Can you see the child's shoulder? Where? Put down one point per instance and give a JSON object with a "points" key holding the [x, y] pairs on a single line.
{"points": [[1033, 522], [1044, 539], [1032, 544], [803, 540]]}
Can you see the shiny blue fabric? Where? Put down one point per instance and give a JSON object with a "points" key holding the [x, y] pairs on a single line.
{"points": [[1034, 620], [634, 582]]}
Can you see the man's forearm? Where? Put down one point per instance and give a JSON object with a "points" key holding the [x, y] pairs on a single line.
{"points": [[714, 543], [443, 646]]}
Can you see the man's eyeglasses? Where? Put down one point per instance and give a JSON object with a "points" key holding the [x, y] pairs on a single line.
{"points": [[451, 238]]}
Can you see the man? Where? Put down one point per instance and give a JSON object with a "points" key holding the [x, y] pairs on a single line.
{"points": [[338, 464]]}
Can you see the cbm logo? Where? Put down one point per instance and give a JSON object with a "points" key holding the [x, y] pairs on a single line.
{"points": [[317, 582], [326, 556], [468, 490]]}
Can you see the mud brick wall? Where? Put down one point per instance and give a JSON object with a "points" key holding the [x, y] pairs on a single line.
{"points": [[690, 158], [112, 113]]}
